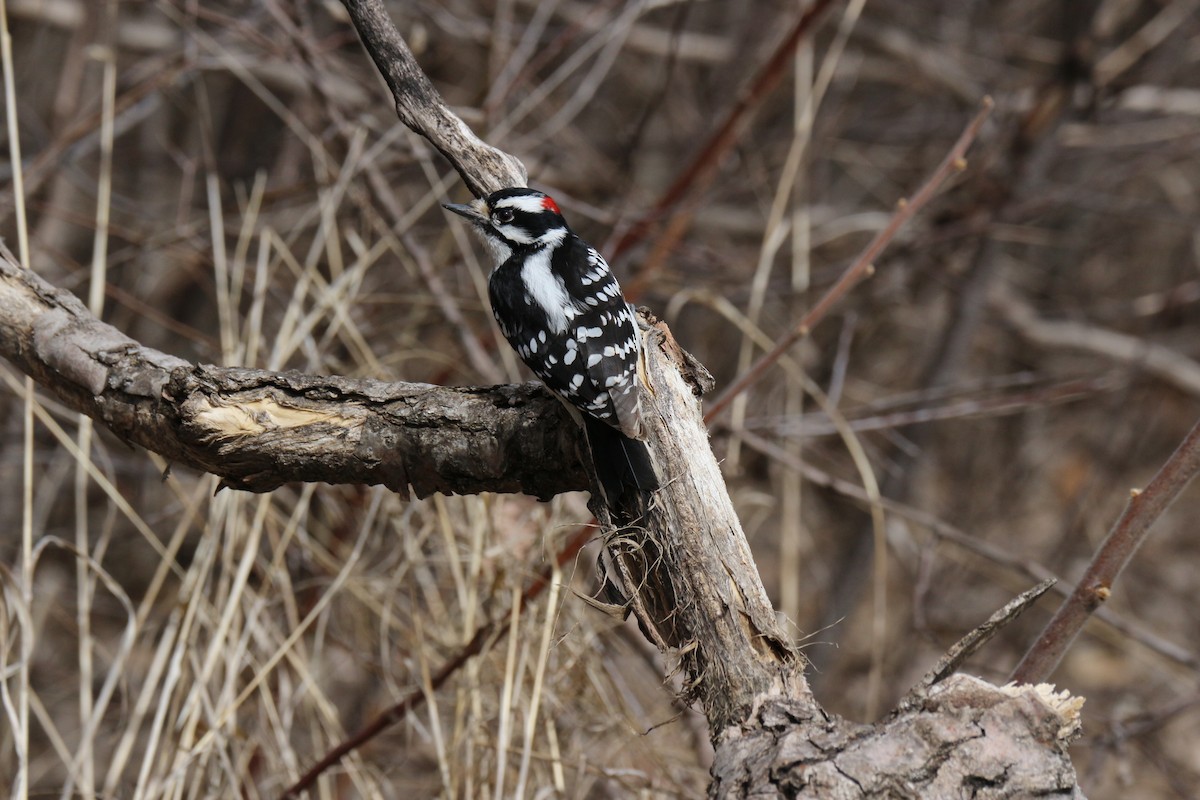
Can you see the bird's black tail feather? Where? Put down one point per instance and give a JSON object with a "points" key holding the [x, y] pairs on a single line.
{"points": [[621, 463]]}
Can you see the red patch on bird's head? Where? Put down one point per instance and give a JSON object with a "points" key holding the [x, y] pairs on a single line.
{"points": [[549, 204]]}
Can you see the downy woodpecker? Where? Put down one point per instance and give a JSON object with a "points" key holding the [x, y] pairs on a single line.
{"points": [[559, 305]]}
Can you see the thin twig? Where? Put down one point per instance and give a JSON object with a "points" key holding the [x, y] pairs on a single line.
{"points": [[1164, 363], [702, 168], [969, 543], [485, 635], [1123, 540], [863, 266], [968, 645]]}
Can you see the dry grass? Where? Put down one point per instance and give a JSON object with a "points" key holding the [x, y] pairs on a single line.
{"points": [[226, 181]]}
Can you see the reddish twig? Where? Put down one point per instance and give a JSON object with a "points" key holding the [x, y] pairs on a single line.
{"points": [[863, 266], [488, 633], [397, 712], [702, 168], [939, 528], [1122, 542]]}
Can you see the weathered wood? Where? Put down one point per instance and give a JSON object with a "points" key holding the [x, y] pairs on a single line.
{"points": [[684, 562], [483, 168], [967, 739], [685, 568], [258, 429]]}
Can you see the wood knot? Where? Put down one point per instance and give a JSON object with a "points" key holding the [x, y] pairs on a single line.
{"points": [[697, 376]]}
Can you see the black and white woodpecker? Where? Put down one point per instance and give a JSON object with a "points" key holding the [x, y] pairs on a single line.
{"points": [[559, 305]]}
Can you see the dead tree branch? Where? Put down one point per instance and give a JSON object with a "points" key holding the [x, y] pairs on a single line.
{"points": [[258, 430], [1145, 506], [686, 568], [483, 168]]}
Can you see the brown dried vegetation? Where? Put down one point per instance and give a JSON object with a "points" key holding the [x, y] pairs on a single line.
{"points": [[264, 208]]}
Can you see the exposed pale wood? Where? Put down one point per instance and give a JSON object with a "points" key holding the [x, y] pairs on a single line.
{"points": [[258, 429], [687, 566], [967, 739]]}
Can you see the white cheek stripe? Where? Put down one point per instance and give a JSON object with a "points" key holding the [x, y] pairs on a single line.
{"points": [[552, 237], [514, 234], [546, 290]]}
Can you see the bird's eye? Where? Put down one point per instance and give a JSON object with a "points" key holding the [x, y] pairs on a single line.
{"points": [[503, 216]]}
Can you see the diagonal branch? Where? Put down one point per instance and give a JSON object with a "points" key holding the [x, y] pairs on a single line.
{"points": [[685, 564], [1145, 507], [483, 168], [864, 265], [702, 168]]}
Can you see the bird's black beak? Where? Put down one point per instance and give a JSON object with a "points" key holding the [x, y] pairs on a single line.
{"points": [[471, 211]]}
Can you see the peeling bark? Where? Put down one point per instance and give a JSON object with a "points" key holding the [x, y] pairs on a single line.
{"points": [[258, 430], [966, 739], [684, 561]]}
